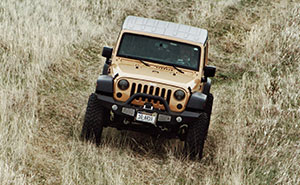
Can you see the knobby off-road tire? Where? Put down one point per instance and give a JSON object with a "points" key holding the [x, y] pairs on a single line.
{"points": [[208, 109], [195, 138], [93, 121]]}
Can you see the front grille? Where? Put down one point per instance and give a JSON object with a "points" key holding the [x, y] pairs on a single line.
{"points": [[151, 90]]}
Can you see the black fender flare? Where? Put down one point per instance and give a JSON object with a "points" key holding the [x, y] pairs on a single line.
{"points": [[197, 101], [104, 84], [207, 85]]}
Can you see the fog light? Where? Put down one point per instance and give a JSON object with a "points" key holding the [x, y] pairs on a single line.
{"points": [[114, 107], [179, 119], [179, 106], [119, 95]]}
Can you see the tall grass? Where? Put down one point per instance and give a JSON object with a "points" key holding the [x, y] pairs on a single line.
{"points": [[50, 58]]}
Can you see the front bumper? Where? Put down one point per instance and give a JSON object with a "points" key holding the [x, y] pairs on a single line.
{"points": [[124, 114]]}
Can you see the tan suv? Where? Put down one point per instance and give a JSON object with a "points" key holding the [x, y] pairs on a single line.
{"points": [[155, 81]]}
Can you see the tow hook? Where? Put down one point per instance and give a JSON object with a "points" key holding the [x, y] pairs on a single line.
{"points": [[126, 122], [183, 129], [112, 116], [163, 128]]}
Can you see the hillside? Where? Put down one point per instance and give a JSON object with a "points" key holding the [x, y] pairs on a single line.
{"points": [[50, 57]]}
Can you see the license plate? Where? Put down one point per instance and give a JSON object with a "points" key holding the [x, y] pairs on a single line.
{"points": [[146, 117]]}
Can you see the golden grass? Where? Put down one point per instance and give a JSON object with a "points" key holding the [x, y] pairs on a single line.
{"points": [[50, 58]]}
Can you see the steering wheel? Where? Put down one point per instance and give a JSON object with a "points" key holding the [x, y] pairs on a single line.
{"points": [[184, 62]]}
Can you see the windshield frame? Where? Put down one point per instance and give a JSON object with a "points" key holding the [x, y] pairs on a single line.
{"points": [[157, 61]]}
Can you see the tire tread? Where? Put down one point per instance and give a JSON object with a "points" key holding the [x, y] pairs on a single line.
{"points": [[93, 120], [196, 137]]}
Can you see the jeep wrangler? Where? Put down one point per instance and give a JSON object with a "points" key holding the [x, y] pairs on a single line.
{"points": [[154, 81]]}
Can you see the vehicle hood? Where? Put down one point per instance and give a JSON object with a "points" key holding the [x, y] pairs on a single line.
{"points": [[157, 74]]}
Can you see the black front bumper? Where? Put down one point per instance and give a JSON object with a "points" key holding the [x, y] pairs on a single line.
{"points": [[123, 120]]}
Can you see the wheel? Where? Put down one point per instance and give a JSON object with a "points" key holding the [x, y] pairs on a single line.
{"points": [[195, 138], [208, 108], [93, 121]]}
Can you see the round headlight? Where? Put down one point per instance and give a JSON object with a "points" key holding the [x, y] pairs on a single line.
{"points": [[179, 95], [123, 84]]}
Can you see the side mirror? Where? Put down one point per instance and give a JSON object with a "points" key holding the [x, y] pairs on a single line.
{"points": [[107, 52], [209, 71]]}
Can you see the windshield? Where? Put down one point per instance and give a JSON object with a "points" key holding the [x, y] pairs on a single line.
{"points": [[160, 51]]}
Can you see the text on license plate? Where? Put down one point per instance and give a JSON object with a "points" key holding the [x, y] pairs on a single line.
{"points": [[149, 118]]}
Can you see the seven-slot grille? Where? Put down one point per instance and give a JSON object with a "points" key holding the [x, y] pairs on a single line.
{"points": [[157, 91]]}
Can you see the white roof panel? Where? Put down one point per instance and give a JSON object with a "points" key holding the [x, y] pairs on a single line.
{"points": [[179, 31]]}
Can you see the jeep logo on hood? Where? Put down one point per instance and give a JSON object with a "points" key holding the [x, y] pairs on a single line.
{"points": [[163, 68]]}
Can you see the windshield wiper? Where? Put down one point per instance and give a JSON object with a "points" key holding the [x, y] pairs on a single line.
{"points": [[175, 67], [144, 63]]}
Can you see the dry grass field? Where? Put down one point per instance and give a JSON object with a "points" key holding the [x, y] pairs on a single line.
{"points": [[50, 57]]}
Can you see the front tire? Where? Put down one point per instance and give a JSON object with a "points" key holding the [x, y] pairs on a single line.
{"points": [[195, 138], [93, 121]]}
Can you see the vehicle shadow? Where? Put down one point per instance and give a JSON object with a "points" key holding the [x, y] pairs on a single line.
{"points": [[154, 147], [138, 143]]}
